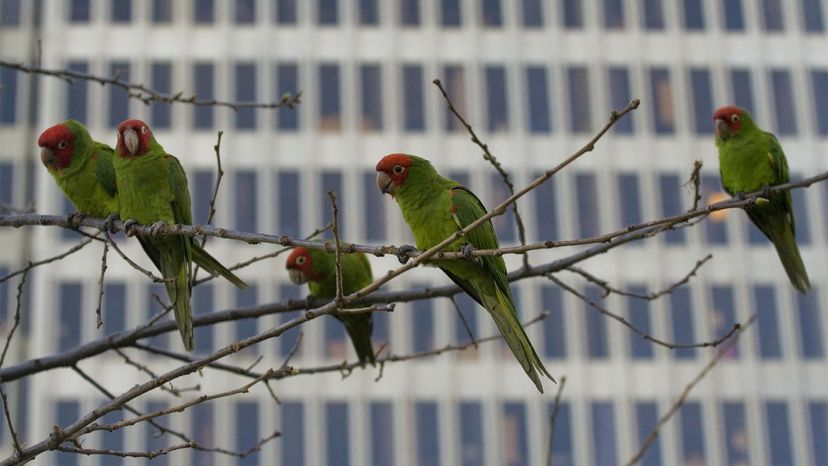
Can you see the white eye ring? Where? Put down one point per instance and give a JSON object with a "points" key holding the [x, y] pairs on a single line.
{"points": [[300, 260], [398, 169], [143, 130], [734, 118], [63, 144]]}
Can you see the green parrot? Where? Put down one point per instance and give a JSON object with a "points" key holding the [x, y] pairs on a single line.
{"points": [[152, 187], [751, 160], [318, 269], [81, 167], [435, 208]]}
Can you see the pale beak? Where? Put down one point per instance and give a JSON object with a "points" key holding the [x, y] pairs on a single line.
{"points": [[384, 183], [722, 128], [296, 276], [47, 156], [131, 141]]}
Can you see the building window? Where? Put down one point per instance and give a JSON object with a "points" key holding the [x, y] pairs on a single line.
{"points": [[67, 208], [578, 87], [546, 210], [203, 11], [681, 317], [736, 434], [596, 326], [201, 193], [245, 11], [8, 96], [428, 432], [629, 198], [812, 16], [118, 97], [514, 444], [496, 101], [285, 11], [537, 100], [653, 14], [778, 439], [4, 289], [246, 328], [289, 221], [113, 307], [162, 11], [6, 185], [472, 448], [661, 92], [155, 293], [328, 12], [293, 433], [767, 335], [572, 14], [504, 225], [246, 207], [670, 187], [702, 100], [202, 303], [113, 441], [563, 451], [733, 15], [450, 15], [491, 14], [288, 339], [800, 208], [71, 310], [783, 102], [371, 104], [374, 214], [692, 433], [9, 12], [332, 181], [161, 82], [337, 433], [422, 324], [456, 89], [620, 96], [413, 110], [66, 412], [613, 14], [772, 19], [202, 429], [693, 15], [741, 87], [121, 11], [532, 13], [818, 416], [368, 12], [336, 341], [247, 430], [410, 12], [203, 84], [329, 103], [381, 414], [245, 92], [587, 205], [287, 82], [639, 312], [723, 315], [810, 326], [603, 432], [715, 227], [554, 326], [646, 418], [819, 87], [77, 92], [79, 11]]}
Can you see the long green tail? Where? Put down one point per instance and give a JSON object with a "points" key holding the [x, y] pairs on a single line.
{"points": [[502, 310], [179, 293], [782, 236], [214, 267], [359, 328]]}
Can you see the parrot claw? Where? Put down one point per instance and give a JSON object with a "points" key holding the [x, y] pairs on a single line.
{"points": [[108, 224], [157, 227], [309, 301], [402, 253], [75, 218], [467, 250], [128, 224], [766, 191]]}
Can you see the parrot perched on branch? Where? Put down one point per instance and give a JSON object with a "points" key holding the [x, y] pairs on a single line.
{"points": [[152, 187], [318, 269], [751, 160], [435, 208]]}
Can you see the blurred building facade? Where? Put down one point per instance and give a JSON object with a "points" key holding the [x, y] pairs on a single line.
{"points": [[536, 79]]}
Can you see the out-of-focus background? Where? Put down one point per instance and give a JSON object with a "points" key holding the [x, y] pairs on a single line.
{"points": [[536, 79]]}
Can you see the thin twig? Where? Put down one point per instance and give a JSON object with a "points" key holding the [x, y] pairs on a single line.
{"points": [[30, 265], [129, 261], [99, 320], [16, 324], [463, 320], [695, 181], [18, 450], [146, 370], [338, 251], [553, 417], [127, 454]]}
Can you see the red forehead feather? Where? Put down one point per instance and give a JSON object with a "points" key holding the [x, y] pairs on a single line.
{"points": [[133, 124], [725, 112], [54, 135], [389, 161], [299, 251]]}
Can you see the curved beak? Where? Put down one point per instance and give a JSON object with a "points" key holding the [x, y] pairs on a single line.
{"points": [[47, 156], [131, 141], [385, 184], [296, 276], [722, 128]]}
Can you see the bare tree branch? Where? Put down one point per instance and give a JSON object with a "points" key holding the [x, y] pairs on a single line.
{"points": [[552, 418], [31, 265], [15, 441], [18, 300], [126, 454], [98, 319], [338, 250]]}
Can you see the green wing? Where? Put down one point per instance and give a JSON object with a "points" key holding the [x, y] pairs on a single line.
{"points": [[104, 171], [780, 165], [181, 192]]}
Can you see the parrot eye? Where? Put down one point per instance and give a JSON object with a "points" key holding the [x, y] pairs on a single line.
{"points": [[143, 130], [398, 169], [734, 118], [300, 260], [63, 144]]}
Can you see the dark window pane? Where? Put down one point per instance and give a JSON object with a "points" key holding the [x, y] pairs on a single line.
{"points": [[578, 90], [693, 15], [537, 100], [329, 105], [4, 298], [812, 16], [293, 433], [66, 413], [203, 431], [9, 12], [162, 11], [422, 324], [532, 13], [121, 11], [671, 204], [572, 14], [289, 221], [371, 108], [247, 431], [413, 111], [203, 11], [491, 13], [456, 89], [246, 208], [742, 90], [734, 19], [629, 198], [374, 209], [111, 440], [778, 440], [450, 13], [152, 440], [587, 206], [245, 11], [79, 11], [504, 225], [724, 315], [603, 433], [156, 293], [819, 88], [113, 307], [639, 312], [204, 89], [653, 14], [337, 434], [247, 327], [332, 181], [202, 303], [118, 98], [619, 82], [800, 208], [614, 14], [8, 96], [382, 433], [596, 326], [514, 444], [735, 432], [472, 449], [810, 326], [328, 11], [554, 328], [681, 313], [201, 190], [245, 92], [468, 308], [772, 19], [285, 11], [368, 12], [767, 335], [783, 102], [71, 298], [563, 451], [66, 209], [287, 82], [428, 433], [818, 416], [76, 93], [661, 92], [336, 342], [6, 183], [161, 82], [692, 433], [646, 418], [715, 227], [288, 339], [702, 100], [546, 210], [496, 101], [410, 12]]}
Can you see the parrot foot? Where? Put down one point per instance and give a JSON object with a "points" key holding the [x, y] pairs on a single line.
{"points": [[128, 224], [740, 196], [309, 301], [766, 193], [157, 227], [467, 250], [108, 224], [75, 218], [402, 253]]}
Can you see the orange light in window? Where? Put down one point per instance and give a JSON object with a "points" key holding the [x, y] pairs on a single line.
{"points": [[719, 215]]}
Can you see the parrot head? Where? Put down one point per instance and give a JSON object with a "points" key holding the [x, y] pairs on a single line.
{"points": [[134, 138], [57, 145], [730, 120], [393, 170], [300, 266]]}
